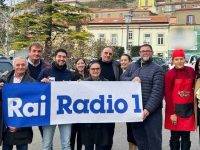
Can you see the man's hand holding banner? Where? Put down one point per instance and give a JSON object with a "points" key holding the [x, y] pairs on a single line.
{"points": [[39, 104]]}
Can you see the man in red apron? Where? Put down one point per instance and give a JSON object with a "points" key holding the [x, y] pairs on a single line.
{"points": [[179, 97]]}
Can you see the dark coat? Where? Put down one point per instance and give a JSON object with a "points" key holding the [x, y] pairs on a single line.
{"points": [[22, 135], [1, 118], [116, 69], [97, 133], [60, 74], [152, 83]]}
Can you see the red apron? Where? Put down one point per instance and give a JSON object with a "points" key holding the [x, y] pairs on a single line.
{"points": [[183, 100]]}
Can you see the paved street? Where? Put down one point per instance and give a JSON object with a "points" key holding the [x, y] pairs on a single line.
{"points": [[120, 142]]}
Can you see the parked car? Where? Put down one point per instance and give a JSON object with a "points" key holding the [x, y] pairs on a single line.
{"points": [[5, 65]]}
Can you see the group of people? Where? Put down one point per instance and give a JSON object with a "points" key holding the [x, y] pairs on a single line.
{"points": [[176, 87]]}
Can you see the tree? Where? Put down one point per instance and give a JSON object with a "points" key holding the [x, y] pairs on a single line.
{"points": [[135, 51], [4, 27], [45, 22], [118, 51]]}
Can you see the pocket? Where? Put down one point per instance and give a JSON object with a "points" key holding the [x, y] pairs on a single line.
{"points": [[184, 110]]}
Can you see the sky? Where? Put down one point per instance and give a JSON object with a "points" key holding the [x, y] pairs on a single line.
{"points": [[12, 2]]}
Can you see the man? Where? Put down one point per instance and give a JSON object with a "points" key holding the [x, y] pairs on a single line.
{"points": [[12, 135], [111, 71], [36, 64], [58, 72], [148, 133]]}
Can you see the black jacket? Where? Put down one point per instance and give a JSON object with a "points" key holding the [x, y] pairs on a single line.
{"points": [[97, 133], [60, 73], [1, 118], [22, 135]]}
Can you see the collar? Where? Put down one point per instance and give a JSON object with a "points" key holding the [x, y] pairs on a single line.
{"points": [[35, 65]]}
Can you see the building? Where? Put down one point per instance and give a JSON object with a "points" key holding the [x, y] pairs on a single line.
{"points": [[185, 30], [170, 6], [143, 28]]}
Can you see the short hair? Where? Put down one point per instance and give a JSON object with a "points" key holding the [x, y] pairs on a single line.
{"points": [[128, 56], [93, 62], [36, 44], [20, 58], [60, 50], [146, 45], [111, 47]]}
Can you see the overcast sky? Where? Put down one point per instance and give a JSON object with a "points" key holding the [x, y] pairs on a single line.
{"points": [[9, 2]]}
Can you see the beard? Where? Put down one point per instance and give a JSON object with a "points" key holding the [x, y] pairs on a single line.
{"points": [[146, 58]]}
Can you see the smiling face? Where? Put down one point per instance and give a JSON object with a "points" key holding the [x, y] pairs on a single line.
{"points": [[95, 71], [178, 62], [61, 58], [145, 53], [20, 66], [107, 54], [80, 65], [124, 61]]}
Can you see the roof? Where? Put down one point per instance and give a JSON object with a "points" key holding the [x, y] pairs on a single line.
{"points": [[100, 10], [188, 9], [177, 3], [121, 20]]}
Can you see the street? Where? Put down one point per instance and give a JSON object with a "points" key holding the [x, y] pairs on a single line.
{"points": [[120, 142]]}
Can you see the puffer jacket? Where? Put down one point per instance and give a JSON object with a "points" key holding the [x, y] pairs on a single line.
{"points": [[152, 82]]}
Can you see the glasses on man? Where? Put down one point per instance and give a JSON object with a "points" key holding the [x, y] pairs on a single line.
{"points": [[145, 51]]}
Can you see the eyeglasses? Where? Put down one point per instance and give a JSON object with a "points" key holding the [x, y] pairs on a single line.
{"points": [[93, 69], [146, 51]]}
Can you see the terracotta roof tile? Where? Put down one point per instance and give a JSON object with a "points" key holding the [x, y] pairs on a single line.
{"points": [[121, 20]]}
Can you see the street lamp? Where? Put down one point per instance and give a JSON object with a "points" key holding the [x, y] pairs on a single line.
{"points": [[128, 19]]}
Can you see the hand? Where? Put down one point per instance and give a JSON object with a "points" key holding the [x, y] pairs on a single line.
{"points": [[46, 80], [173, 119], [136, 79], [145, 114], [12, 129]]}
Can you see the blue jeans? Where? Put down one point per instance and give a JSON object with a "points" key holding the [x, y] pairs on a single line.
{"points": [[19, 147], [48, 133]]}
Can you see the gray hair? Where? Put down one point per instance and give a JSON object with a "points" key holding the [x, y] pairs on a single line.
{"points": [[20, 58]]}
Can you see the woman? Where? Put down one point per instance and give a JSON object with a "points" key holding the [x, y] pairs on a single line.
{"points": [[179, 97], [95, 133], [80, 73], [197, 90], [125, 61]]}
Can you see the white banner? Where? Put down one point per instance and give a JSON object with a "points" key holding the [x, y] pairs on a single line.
{"points": [[95, 102]]}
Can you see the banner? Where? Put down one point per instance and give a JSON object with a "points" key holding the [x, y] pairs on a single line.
{"points": [[39, 104]]}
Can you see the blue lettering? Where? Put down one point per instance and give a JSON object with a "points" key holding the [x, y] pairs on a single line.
{"points": [[125, 105], [64, 104], [110, 104], [137, 106], [84, 103], [99, 101]]}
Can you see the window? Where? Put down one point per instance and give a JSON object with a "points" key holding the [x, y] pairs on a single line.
{"points": [[102, 37], [160, 39], [114, 39], [147, 39], [130, 44], [190, 19], [130, 35]]}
